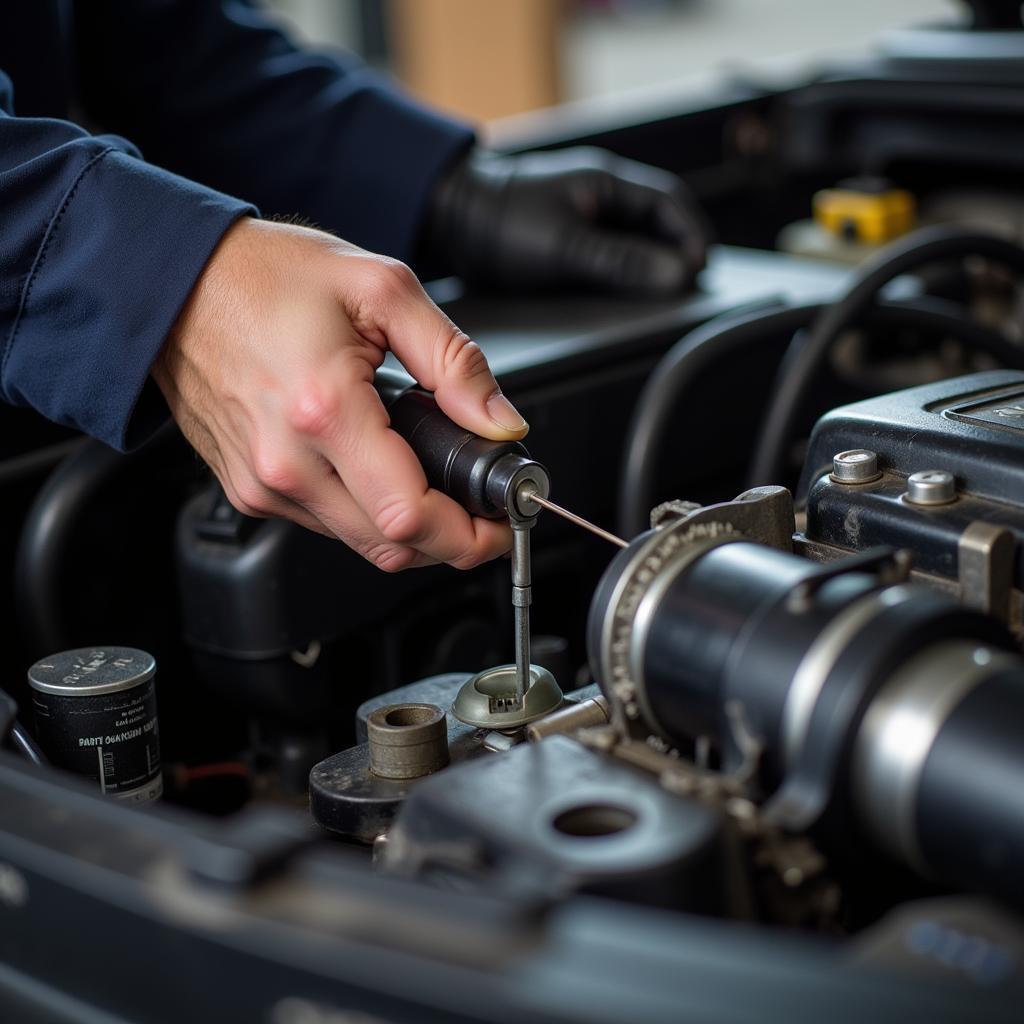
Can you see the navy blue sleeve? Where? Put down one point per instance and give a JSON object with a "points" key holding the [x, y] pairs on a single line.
{"points": [[212, 90], [98, 253]]}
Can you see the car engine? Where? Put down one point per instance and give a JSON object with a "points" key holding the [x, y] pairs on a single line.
{"points": [[713, 758]]}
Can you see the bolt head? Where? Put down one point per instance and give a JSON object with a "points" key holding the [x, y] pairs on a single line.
{"points": [[856, 466], [931, 487]]}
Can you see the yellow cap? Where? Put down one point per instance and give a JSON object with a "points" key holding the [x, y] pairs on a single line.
{"points": [[869, 217]]}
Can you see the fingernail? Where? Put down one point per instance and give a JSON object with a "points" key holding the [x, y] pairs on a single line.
{"points": [[504, 413]]}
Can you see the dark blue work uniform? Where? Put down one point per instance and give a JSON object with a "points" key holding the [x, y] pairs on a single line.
{"points": [[100, 244]]}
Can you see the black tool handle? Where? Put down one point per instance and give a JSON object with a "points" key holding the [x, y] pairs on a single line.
{"points": [[471, 469]]}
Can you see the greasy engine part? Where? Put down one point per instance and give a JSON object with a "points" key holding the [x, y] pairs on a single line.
{"points": [[490, 699], [970, 432], [407, 741], [349, 798], [841, 692], [582, 715], [551, 818], [95, 714]]}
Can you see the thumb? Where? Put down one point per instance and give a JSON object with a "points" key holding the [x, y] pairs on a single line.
{"points": [[446, 361], [625, 262]]}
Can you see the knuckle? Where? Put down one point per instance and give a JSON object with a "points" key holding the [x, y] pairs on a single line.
{"points": [[250, 498], [400, 521], [386, 279], [276, 473], [467, 560], [463, 357], [391, 559], [314, 412]]}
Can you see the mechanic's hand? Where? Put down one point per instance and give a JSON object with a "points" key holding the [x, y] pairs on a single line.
{"points": [[573, 217], [269, 373]]}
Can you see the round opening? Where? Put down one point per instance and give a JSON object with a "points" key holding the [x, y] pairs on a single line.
{"points": [[406, 717], [592, 820]]}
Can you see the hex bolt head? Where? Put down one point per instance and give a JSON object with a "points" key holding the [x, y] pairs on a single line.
{"points": [[856, 466], [931, 487]]}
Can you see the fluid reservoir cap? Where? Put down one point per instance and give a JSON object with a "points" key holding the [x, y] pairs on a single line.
{"points": [[90, 671]]}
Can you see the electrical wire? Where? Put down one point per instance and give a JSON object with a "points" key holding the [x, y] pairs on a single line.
{"points": [[677, 370], [728, 335], [808, 354]]}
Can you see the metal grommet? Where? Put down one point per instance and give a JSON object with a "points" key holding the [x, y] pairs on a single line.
{"points": [[407, 740]]}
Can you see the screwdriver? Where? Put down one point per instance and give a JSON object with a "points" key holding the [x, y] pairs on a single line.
{"points": [[493, 479]]}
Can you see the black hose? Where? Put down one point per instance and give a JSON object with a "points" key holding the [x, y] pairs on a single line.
{"points": [[659, 398], [23, 742], [723, 336], [49, 530], [803, 363], [46, 541]]}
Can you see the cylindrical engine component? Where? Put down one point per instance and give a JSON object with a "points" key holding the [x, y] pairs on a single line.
{"points": [[735, 621], [880, 702], [567, 720], [95, 714], [938, 766], [407, 740]]}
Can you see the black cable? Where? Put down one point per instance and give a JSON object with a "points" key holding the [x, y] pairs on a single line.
{"points": [[23, 742], [659, 398], [725, 335], [929, 245]]}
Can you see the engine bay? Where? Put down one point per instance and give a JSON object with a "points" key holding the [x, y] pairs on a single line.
{"points": [[767, 761]]}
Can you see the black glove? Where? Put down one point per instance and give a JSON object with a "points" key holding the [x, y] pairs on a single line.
{"points": [[571, 217]]}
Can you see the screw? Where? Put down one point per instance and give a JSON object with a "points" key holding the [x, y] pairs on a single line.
{"points": [[857, 466], [931, 487]]}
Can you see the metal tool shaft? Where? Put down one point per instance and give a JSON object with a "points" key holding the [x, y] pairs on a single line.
{"points": [[578, 520], [522, 598]]}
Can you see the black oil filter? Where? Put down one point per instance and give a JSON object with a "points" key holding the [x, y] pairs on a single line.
{"points": [[95, 712]]}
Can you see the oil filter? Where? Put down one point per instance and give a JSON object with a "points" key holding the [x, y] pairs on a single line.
{"points": [[95, 713]]}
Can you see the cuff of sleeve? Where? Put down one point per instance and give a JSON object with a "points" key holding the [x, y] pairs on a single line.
{"points": [[119, 259], [393, 184]]}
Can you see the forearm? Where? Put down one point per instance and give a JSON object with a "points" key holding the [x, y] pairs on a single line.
{"points": [[100, 253]]}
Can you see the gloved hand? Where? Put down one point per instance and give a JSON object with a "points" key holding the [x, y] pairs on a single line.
{"points": [[269, 373], [582, 216]]}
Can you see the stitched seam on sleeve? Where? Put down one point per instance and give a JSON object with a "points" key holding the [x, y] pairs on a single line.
{"points": [[40, 259]]}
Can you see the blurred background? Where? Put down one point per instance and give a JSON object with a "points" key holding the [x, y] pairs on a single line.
{"points": [[488, 59]]}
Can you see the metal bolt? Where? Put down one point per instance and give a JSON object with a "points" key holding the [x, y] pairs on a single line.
{"points": [[857, 466], [931, 487]]}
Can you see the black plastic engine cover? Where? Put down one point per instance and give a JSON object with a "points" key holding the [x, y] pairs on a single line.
{"points": [[971, 426], [550, 818]]}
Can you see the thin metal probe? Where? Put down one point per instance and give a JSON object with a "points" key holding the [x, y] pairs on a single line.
{"points": [[522, 598], [578, 520]]}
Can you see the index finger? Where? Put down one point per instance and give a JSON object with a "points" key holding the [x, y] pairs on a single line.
{"points": [[386, 480]]}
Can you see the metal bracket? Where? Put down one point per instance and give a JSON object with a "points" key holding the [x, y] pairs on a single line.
{"points": [[985, 555]]}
